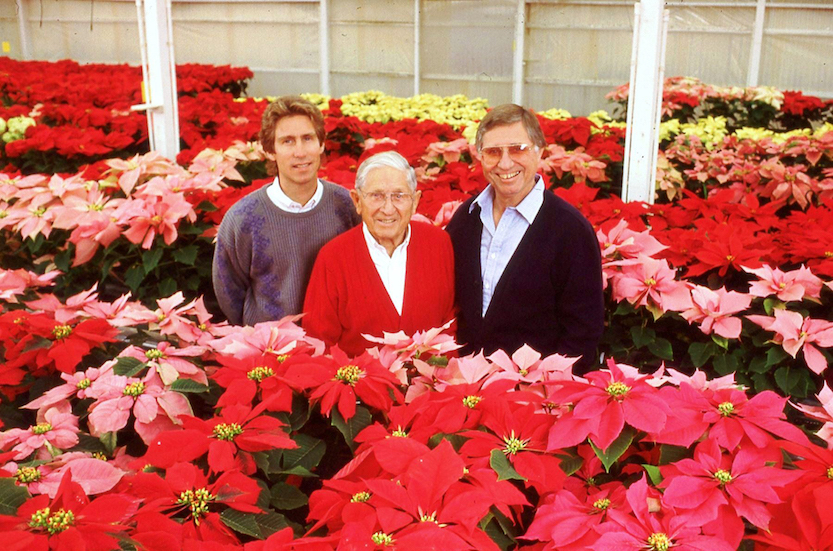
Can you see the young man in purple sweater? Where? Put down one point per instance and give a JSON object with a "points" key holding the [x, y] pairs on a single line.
{"points": [[268, 241]]}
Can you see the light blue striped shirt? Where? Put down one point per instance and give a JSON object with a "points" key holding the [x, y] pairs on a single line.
{"points": [[498, 244]]}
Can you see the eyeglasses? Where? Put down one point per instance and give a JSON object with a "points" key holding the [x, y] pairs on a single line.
{"points": [[398, 198], [517, 151]]}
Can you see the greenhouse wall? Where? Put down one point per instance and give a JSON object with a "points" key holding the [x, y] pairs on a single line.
{"points": [[574, 51]]}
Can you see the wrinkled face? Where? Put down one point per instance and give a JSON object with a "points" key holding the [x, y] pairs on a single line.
{"points": [[512, 175], [297, 151], [386, 205]]}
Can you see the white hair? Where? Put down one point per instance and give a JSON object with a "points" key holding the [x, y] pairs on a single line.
{"points": [[390, 159]]}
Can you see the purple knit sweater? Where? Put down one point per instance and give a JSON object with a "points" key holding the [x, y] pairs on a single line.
{"points": [[264, 255]]}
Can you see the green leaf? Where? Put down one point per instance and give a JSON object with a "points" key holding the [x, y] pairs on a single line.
{"points": [[653, 473], [440, 361], [642, 336], [500, 464], [245, 523], [308, 454], [186, 255], [36, 343], [700, 353], [269, 461], [206, 206], [775, 355], [570, 464], [167, 287], [671, 454], [609, 456], [758, 365], [128, 367], [722, 342], [499, 529], [771, 304], [271, 522], [762, 382], [787, 378], [287, 497], [455, 440], [357, 423], [300, 412], [661, 348], [134, 277], [299, 471], [150, 259], [109, 440], [12, 496], [188, 385], [63, 259]]}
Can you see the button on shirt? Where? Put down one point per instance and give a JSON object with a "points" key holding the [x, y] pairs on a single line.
{"points": [[391, 269], [498, 244], [283, 202]]}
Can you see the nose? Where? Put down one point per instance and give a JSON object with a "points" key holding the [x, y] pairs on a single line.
{"points": [[388, 205], [505, 160]]}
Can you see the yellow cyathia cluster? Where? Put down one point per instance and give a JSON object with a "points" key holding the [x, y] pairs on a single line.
{"points": [[374, 106]]}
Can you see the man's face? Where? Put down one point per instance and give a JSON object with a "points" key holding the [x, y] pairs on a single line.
{"points": [[386, 205], [297, 151], [512, 175]]}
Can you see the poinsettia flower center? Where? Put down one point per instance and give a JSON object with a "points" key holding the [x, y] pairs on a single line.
{"points": [[61, 331], [154, 354], [27, 475], [227, 432], [399, 432], [428, 518], [650, 282], [53, 523], [601, 504], [83, 384], [41, 428], [134, 389], [3, 214], [726, 409], [524, 372], [730, 257], [617, 389], [96, 207], [282, 357], [155, 219], [782, 285], [513, 444], [658, 542], [724, 477], [197, 501], [830, 472], [360, 497], [349, 374], [471, 401], [38, 212], [828, 254], [380, 538], [259, 373], [99, 455]]}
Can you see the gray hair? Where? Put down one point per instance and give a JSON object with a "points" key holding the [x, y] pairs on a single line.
{"points": [[390, 159]]}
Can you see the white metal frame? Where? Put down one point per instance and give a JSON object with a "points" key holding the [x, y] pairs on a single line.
{"points": [[158, 76]]}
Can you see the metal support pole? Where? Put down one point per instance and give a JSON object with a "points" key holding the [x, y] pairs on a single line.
{"points": [[417, 45], [518, 59], [324, 46], [23, 29], [757, 41], [644, 101], [159, 72]]}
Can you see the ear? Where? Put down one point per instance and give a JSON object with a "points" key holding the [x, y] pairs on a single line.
{"points": [[354, 195], [417, 195]]}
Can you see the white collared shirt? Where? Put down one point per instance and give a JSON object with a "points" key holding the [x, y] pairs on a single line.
{"points": [[283, 202], [498, 244], [391, 269]]}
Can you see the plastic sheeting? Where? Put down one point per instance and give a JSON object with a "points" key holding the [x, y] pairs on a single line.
{"points": [[575, 51]]}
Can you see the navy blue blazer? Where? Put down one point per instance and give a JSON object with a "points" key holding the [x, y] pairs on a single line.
{"points": [[550, 295]]}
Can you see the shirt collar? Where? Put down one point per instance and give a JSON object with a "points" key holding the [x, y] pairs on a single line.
{"points": [[283, 201], [374, 245], [528, 207]]}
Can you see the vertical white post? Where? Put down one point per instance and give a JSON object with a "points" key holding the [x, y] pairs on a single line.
{"points": [[159, 72], [324, 46], [23, 29], [644, 102], [757, 41], [417, 45], [518, 59]]}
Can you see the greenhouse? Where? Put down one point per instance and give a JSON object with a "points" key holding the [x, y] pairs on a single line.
{"points": [[416, 274]]}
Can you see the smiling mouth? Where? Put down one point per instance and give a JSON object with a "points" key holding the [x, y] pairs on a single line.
{"points": [[303, 165], [508, 176]]}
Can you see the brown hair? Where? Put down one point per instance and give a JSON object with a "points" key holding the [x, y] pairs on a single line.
{"points": [[287, 106], [510, 113]]}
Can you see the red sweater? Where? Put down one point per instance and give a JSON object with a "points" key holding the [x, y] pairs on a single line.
{"points": [[346, 296]]}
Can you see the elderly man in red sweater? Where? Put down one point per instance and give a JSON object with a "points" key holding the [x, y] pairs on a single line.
{"points": [[388, 274]]}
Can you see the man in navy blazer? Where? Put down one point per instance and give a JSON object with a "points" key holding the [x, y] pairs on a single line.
{"points": [[527, 263]]}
